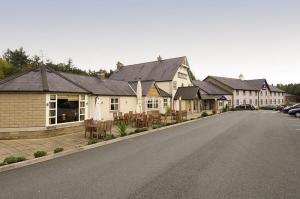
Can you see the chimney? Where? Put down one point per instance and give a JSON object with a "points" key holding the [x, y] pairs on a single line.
{"points": [[101, 74], [119, 65], [241, 77], [159, 58]]}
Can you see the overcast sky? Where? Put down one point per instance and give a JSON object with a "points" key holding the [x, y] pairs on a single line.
{"points": [[258, 38]]}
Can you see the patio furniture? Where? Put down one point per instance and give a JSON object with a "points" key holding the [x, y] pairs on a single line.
{"points": [[156, 119], [109, 125], [88, 127], [101, 129], [126, 118], [120, 116], [115, 116]]}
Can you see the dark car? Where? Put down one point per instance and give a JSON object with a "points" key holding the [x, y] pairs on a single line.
{"points": [[280, 108], [286, 109], [294, 111], [245, 107], [297, 113]]}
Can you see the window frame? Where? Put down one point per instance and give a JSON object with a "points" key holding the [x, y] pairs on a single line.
{"points": [[114, 104]]}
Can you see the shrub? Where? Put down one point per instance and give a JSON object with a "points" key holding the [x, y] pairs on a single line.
{"points": [[109, 137], [122, 129], [214, 112], [2, 164], [40, 154], [13, 159], [10, 160], [59, 149], [204, 114], [139, 130], [92, 141], [168, 110], [21, 158]]}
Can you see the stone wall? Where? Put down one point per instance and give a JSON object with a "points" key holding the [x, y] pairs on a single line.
{"points": [[22, 110]]}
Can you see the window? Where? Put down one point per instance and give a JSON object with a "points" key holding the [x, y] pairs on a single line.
{"points": [[266, 93], [261, 102], [244, 101], [65, 108], [81, 107], [220, 103], [250, 101], [182, 75], [244, 92], [114, 104], [270, 101], [237, 102], [274, 93], [282, 101], [256, 101], [270, 93], [250, 93], [274, 101], [266, 101], [52, 109], [237, 92], [278, 101], [174, 85], [152, 103], [165, 102], [256, 93], [261, 93]]}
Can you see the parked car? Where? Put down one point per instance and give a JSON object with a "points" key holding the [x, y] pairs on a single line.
{"points": [[286, 109], [269, 107], [297, 113], [245, 107], [294, 111]]}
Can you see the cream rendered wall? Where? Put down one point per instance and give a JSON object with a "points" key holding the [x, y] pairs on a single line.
{"points": [[179, 81], [166, 86], [126, 104], [247, 96]]}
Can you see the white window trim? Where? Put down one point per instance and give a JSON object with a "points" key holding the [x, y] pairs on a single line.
{"points": [[114, 104], [48, 100]]}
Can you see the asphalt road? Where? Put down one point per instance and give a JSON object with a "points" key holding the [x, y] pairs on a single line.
{"points": [[235, 155]]}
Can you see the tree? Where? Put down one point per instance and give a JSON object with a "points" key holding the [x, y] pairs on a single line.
{"points": [[291, 89], [5, 69], [18, 59]]}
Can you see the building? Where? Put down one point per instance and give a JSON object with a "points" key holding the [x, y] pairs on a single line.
{"points": [[290, 98], [44, 102], [256, 92], [168, 74]]}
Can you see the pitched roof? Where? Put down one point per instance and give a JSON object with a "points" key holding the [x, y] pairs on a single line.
{"points": [[163, 70], [218, 97], [105, 87], [187, 93], [210, 88], [238, 84], [41, 79], [146, 85]]}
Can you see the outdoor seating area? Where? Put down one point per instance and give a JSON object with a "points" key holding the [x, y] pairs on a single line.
{"points": [[149, 119], [98, 129]]}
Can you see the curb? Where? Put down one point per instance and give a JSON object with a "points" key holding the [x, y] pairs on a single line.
{"points": [[99, 144]]}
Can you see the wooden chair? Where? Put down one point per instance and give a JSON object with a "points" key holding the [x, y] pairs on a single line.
{"points": [[120, 116], [101, 127], [109, 125], [145, 121], [88, 126], [126, 118], [115, 116]]}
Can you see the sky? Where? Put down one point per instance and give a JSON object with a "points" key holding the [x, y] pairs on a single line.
{"points": [[257, 38]]}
